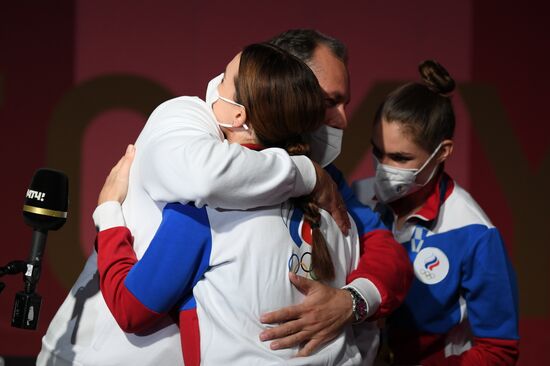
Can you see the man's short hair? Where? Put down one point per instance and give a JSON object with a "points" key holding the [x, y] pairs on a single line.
{"points": [[303, 42]]}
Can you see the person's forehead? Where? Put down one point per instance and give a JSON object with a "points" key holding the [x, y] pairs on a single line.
{"points": [[331, 72], [392, 137], [233, 65]]}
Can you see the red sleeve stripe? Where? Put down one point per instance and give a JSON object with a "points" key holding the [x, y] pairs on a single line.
{"points": [[190, 337], [115, 259], [386, 264]]}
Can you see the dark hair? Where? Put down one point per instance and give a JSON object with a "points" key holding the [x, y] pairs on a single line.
{"points": [[281, 95], [424, 109], [283, 100], [303, 42]]}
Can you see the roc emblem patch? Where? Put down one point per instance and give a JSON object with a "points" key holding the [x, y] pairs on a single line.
{"points": [[431, 266]]}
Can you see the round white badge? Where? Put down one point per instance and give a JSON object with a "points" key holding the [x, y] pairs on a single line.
{"points": [[431, 266]]}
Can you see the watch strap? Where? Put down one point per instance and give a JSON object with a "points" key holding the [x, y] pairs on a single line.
{"points": [[360, 307]]}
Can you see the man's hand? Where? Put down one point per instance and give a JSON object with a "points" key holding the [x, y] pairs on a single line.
{"points": [[326, 196], [116, 184], [317, 320]]}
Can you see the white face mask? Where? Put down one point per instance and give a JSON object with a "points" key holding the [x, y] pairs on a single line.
{"points": [[212, 95], [212, 90], [392, 183], [325, 144]]}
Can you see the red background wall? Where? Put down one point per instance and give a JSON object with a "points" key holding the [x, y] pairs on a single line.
{"points": [[50, 54]]}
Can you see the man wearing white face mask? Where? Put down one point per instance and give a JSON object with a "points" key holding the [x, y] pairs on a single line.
{"points": [[462, 307]]}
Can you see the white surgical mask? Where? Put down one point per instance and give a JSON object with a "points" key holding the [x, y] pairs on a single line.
{"points": [[212, 90], [325, 144], [212, 95], [392, 183]]}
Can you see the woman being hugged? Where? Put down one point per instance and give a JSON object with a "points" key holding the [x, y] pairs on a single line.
{"points": [[222, 269], [462, 308]]}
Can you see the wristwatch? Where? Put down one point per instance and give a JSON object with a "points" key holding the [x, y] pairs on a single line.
{"points": [[359, 304]]}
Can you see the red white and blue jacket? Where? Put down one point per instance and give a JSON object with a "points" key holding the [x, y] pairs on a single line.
{"points": [[462, 308], [197, 249]]}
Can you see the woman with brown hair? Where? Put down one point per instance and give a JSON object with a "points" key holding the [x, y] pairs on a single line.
{"points": [[462, 306], [222, 269]]}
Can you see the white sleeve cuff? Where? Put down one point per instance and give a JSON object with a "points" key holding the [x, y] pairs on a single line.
{"points": [[108, 215], [369, 292], [305, 177]]}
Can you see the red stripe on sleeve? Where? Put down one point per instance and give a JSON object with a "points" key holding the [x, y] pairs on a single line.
{"points": [[190, 337], [115, 259], [386, 264]]}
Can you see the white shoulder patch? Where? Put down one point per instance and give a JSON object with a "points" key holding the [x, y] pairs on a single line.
{"points": [[460, 210]]}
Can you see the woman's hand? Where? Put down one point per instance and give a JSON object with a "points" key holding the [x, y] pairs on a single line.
{"points": [[116, 184]]}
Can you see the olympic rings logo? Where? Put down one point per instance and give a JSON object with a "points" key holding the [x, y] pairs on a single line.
{"points": [[427, 274], [295, 262]]}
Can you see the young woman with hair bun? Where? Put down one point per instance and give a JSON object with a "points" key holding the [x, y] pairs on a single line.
{"points": [[462, 307]]}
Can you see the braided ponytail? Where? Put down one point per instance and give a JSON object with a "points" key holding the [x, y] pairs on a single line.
{"points": [[284, 100], [322, 267]]}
